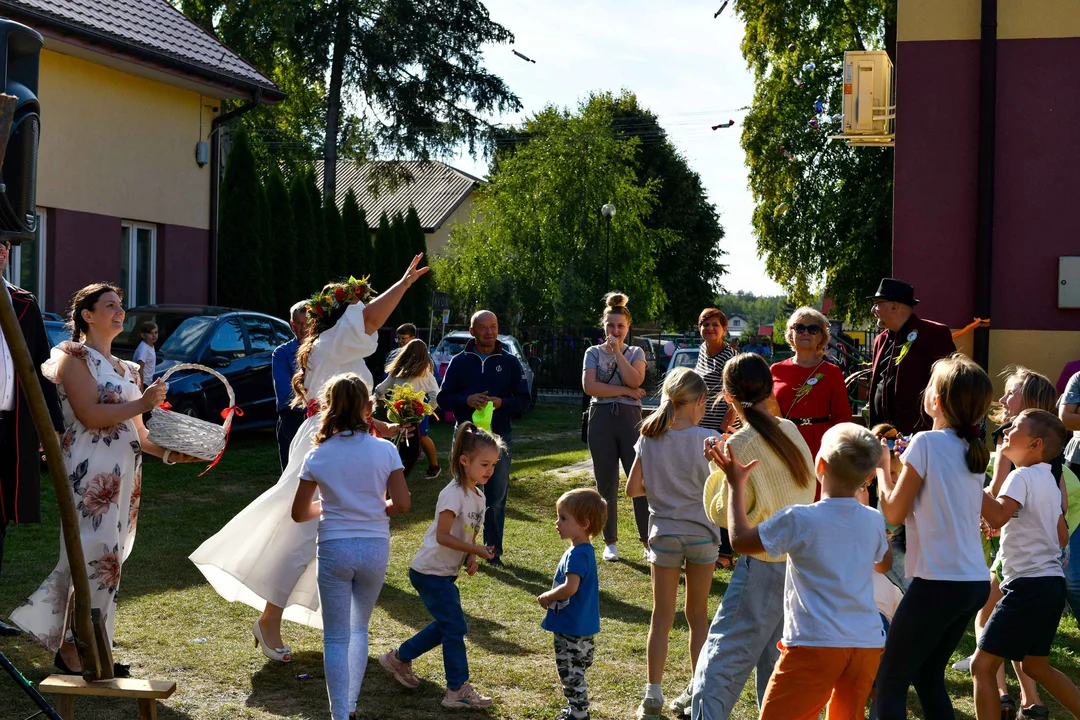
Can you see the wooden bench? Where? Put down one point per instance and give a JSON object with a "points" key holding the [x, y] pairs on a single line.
{"points": [[147, 692]]}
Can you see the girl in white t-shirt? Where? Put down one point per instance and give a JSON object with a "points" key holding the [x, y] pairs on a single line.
{"points": [[449, 543], [938, 496], [353, 471], [413, 366], [670, 472]]}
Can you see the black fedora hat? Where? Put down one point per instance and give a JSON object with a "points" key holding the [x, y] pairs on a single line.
{"points": [[895, 290]]}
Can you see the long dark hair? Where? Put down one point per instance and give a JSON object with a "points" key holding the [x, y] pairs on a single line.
{"points": [[319, 325], [86, 299], [748, 378]]}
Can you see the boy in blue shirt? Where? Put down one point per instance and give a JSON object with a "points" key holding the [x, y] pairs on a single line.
{"points": [[573, 602]]}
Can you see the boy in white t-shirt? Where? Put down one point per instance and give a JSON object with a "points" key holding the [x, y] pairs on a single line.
{"points": [[1033, 531], [145, 355], [833, 636]]}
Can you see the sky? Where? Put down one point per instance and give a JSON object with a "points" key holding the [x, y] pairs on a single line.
{"points": [[683, 65]]}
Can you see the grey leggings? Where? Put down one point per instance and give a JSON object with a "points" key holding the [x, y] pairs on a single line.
{"points": [[613, 432], [351, 574]]}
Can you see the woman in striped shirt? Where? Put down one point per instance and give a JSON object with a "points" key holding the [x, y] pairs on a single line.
{"points": [[712, 357]]}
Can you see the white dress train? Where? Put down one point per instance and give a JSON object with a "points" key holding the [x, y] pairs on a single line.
{"points": [[262, 555]]}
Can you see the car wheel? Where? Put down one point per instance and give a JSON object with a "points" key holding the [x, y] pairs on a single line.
{"points": [[532, 397]]}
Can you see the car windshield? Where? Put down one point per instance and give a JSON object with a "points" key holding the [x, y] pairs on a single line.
{"points": [[57, 333], [451, 345], [185, 338], [166, 321], [685, 359]]}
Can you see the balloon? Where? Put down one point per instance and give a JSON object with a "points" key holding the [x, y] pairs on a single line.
{"points": [[669, 348], [791, 47], [780, 209], [837, 117], [813, 123], [481, 417], [819, 107], [809, 66]]}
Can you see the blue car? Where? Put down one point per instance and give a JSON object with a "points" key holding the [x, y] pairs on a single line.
{"points": [[237, 343]]}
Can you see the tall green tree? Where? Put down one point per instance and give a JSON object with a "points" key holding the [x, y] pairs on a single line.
{"points": [[357, 236], [383, 268], [240, 280], [307, 278], [417, 65], [282, 243], [824, 210], [535, 251], [406, 309], [335, 242], [422, 288], [322, 262]]}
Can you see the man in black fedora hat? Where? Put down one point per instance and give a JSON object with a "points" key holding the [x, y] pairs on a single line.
{"points": [[903, 356]]}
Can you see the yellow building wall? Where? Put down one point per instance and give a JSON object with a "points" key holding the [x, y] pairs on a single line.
{"points": [[121, 145], [1043, 351], [961, 19], [436, 241]]}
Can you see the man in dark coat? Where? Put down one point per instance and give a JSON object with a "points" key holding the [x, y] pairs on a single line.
{"points": [[903, 356], [20, 458]]}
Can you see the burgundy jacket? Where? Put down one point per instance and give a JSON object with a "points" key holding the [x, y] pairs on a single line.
{"points": [[20, 459], [902, 402]]}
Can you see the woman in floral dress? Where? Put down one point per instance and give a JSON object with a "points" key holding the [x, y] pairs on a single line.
{"points": [[103, 442]]}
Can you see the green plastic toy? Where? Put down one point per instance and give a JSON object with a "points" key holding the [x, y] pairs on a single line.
{"points": [[481, 417]]}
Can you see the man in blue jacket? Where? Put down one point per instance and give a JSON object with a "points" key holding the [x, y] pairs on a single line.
{"points": [[483, 373], [283, 367]]}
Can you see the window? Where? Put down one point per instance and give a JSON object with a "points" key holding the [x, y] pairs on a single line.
{"points": [[228, 341], [138, 263], [261, 334], [26, 263]]}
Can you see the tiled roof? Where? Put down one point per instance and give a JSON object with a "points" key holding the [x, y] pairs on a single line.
{"points": [[436, 191], [152, 29]]}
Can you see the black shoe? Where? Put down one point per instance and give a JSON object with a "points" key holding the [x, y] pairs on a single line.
{"points": [[496, 562], [1008, 708], [432, 472], [8, 630], [1034, 712], [119, 670]]}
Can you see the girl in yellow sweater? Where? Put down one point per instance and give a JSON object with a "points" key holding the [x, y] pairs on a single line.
{"points": [[749, 622]]}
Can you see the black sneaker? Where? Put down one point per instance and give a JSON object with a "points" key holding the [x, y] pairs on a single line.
{"points": [[433, 472], [1033, 712], [496, 562]]}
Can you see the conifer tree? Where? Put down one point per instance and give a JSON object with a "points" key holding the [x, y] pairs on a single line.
{"points": [[306, 280], [240, 278], [335, 243], [357, 237], [282, 243], [384, 263], [322, 264], [421, 290], [402, 255]]}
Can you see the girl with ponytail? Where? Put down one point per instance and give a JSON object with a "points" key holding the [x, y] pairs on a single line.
{"points": [[612, 378], [939, 497], [670, 472], [749, 622]]}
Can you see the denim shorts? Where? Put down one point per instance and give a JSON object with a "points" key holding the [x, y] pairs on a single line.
{"points": [[669, 551]]}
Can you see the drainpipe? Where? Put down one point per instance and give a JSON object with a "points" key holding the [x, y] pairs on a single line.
{"points": [[984, 227], [215, 187]]}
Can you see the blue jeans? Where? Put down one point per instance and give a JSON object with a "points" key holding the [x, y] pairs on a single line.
{"points": [[442, 599], [1072, 569], [351, 574], [495, 492], [743, 636]]}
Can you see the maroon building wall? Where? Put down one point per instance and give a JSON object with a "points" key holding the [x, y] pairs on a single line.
{"points": [[1037, 176], [182, 259]]}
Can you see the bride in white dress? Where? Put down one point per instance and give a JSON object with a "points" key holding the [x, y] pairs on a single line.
{"points": [[262, 557]]}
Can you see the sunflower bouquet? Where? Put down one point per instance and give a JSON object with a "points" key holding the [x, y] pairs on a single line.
{"points": [[407, 406]]}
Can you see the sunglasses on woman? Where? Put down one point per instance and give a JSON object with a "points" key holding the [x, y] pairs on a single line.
{"points": [[809, 329]]}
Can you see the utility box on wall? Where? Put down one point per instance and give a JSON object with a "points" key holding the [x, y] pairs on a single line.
{"points": [[868, 85], [1069, 281]]}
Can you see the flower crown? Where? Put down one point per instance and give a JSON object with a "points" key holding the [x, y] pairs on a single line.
{"points": [[347, 292]]}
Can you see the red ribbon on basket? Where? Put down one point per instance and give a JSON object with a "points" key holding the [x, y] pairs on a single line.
{"points": [[224, 416]]}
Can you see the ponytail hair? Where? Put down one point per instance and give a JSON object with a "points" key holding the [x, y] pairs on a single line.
{"points": [[468, 440], [682, 386], [86, 299], [965, 392], [749, 381], [616, 305], [344, 400]]}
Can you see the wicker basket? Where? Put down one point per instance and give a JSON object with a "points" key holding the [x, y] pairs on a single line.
{"points": [[185, 434]]}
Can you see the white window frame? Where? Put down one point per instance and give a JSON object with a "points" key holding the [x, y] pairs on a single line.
{"points": [[130, 292], [14, 266]]}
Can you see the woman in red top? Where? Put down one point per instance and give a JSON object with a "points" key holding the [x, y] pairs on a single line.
{"points": [[808, 387]]}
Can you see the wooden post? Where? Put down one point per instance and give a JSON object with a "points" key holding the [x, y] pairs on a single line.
{"points": [[93, 669]]}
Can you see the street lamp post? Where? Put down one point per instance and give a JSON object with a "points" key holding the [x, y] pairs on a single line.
{"points": [[608, 211]]}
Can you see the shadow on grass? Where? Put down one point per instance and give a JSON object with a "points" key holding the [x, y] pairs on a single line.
{"points": [[536, 583], [409, 610], [276, 687]]}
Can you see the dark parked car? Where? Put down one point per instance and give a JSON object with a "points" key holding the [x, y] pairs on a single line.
{"points": [[237, 343], [57, 331]]}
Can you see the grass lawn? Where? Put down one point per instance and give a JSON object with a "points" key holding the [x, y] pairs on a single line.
{"points": [[166, 610]]}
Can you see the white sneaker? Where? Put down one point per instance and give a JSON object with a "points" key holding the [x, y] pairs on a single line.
{"points": [[962, 665], [610, 554]]}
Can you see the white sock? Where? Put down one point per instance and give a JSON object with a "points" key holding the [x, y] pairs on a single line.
{"points": [[652, 690]]}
